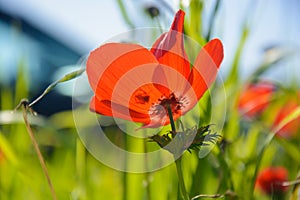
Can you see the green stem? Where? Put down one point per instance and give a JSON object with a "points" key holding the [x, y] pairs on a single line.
{"points": [[212, 19], [184, 194], [124, 12], [125, 174], [65, 78], [147, 174], [81, 168], [171, 118]]}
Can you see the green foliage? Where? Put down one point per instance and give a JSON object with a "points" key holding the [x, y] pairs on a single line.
{"points": [[189, 139]]}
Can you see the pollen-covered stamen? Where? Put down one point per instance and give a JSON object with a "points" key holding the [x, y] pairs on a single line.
{"points": [[160, 107]]}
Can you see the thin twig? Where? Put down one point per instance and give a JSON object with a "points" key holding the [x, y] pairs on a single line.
{"points": [[25, 107], [215, 196], [289, 183]]}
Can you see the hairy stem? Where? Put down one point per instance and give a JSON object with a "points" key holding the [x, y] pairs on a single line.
{"points": [[183, 192]]}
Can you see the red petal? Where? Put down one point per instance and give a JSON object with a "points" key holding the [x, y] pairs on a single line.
{"points": [[255, 98], [204, 72], [206, 67], [107, 108], [170, 80], [290, 129], [169, 47], [133, 89], [119, 58], [143, 97], [107, 64], [127, 84], [270, 180]]}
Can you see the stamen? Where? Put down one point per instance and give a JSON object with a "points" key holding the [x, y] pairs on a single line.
{"points": [[165, 104]]}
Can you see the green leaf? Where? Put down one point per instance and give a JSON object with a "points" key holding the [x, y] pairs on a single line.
{"points": [[22, 82], [189, 139], [65, 78], [234, 72]]}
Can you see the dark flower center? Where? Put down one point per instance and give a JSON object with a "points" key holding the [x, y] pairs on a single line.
{"points": [[160, 108]]}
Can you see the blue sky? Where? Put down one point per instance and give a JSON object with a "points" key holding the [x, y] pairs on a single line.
{"points": [[79, 24], [84, 25]]}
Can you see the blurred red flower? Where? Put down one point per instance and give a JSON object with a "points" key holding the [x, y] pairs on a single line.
{"points": [[136, 84], [2, 156], [255, 98], [270, 180], [291, 128]]}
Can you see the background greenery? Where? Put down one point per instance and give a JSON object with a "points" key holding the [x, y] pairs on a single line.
{"points": [[232, 165]]}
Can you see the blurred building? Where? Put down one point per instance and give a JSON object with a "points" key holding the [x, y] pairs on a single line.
{"points": [[40, 55]]}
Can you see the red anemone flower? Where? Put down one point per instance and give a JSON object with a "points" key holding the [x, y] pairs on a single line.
{"points": [[133, 83], [270, 180], [291, 128], [255, 98]]}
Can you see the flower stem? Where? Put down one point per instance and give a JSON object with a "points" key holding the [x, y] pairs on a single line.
{"points": [[147, 174], [171, 118], [125, 174], [184, 194]]}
